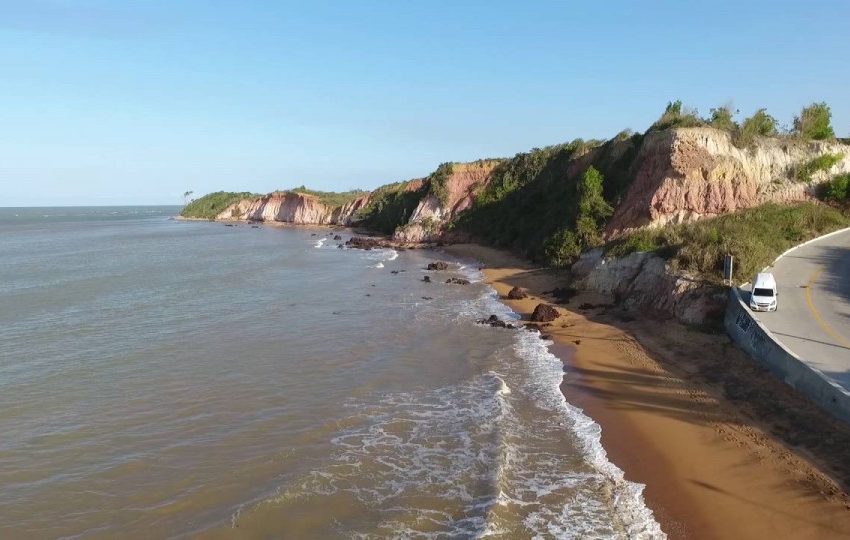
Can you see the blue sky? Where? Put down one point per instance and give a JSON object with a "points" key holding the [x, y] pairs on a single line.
{"points": [[113, 102]]}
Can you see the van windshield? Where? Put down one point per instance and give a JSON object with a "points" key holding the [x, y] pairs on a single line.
{"points": [[762, 292]]}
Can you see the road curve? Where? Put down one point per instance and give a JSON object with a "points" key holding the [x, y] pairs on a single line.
{"points": [[813, 319]]}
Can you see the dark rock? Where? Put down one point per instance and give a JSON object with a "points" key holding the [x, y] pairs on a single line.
{"points": [[495, 322], [545, 336], [586, 305], [393, 271], [229, 225], [458, 281], [314, 234], [337, 237], [255, 226], [340, 246], [517, 294], [562, 294], [439, 265], [544, 313], [367, 242], [427, 298], [577, 342], [427, 279]]}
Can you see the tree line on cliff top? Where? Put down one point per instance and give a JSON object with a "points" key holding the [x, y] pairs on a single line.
{"points": [[814, 122]]}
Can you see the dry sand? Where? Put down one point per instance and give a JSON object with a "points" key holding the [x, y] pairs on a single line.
{"points": [[725, 449]]}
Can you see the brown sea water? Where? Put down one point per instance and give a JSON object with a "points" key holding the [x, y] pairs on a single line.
{"points": [[161, 378]]}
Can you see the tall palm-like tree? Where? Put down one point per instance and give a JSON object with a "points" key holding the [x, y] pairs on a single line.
{"points": [[187, 197]]}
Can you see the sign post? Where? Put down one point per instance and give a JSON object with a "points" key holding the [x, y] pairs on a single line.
{"points": [[727, 268]]}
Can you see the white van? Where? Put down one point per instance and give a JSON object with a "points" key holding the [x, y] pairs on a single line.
{"points": [[764, 293]]}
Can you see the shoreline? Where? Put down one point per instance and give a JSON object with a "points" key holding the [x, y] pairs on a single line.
{"points": [[710, 470]]}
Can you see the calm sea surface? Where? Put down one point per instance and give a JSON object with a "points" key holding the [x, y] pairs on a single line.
{"points": [[161, 378]]}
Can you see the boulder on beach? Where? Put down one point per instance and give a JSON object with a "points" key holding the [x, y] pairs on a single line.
{"points": [[439, 265], [517, 293], [544, 313], [427, 279], [458, 281], [337, 237]]}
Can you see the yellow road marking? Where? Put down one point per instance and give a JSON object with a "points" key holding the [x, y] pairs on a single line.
{"points": [[823, 324]]}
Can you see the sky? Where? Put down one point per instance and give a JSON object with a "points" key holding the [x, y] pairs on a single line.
{"points": [[117, 102]]}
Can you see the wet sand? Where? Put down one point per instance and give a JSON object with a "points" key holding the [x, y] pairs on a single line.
{"points": [[725, 450]]}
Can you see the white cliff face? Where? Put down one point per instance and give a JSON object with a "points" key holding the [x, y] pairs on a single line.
{"points": [[687, 174], [289, 207], [643, 281]]}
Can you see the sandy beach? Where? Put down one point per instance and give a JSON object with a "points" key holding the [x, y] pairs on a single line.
{"points": [[725, 449]]}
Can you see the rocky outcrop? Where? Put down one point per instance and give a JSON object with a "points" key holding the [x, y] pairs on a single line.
{"points": [[458, 193], [643, 281], [544, 313], [517, 293], [292, 207], [685, 174]]}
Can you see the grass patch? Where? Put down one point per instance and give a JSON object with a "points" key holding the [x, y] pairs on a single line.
{"points": [[755, 237], [212, 204], [331, 198], [821, 163]]}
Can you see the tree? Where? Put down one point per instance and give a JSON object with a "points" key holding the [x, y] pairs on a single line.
{"points": [[721, 118], [592, 206], [187, 196], [760, 124], [814, 122]]}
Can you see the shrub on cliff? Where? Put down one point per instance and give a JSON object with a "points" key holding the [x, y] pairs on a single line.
{"points": [[677, 115], [212, 204], [755, 237], [760, 124], [837, 190], [823, 162], [438, 182], [721, 118], [813, 122]]}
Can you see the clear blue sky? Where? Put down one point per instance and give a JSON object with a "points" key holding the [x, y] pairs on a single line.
{"points": [[113, 102]]}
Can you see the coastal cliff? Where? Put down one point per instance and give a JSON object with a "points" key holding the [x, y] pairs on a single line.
{"points": [[637, 217], [294, 207], [682, 175]]}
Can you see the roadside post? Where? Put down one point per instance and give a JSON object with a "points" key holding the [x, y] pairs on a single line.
{"points": [[727, 268]]}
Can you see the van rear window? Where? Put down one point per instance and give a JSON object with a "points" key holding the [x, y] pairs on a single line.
{"points": [[762, 292]]}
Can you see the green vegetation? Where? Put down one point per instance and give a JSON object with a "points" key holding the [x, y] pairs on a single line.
{"points": [[437, 181], [331, 198], [389, 207], [550, 203], [211, 205], [821, 163], [755, 237], [759, 124], [721, 118], [676, 115], [837, 190], [814, 122]]}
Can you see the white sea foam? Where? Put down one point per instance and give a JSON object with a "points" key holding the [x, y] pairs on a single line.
{"points": [[320, 243], [379, 265], [545, 372]]}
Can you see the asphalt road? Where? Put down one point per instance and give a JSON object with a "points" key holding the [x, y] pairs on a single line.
{"points": [[813, 318]]}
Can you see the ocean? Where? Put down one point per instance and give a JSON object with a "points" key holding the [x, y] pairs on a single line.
{"points": [[165, 378]]}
